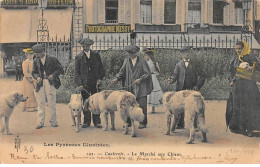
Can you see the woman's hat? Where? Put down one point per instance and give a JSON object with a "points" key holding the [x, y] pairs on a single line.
{"points": [[28, 50]]}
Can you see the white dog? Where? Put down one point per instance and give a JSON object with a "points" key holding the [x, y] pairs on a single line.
{"points": [[7, 103], [192, 104], [109, 101], [76, 107]]}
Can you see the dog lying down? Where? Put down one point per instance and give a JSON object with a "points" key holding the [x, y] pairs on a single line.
{"points": [[76, 107], [192, 104], [109, 101], [8, 102]]}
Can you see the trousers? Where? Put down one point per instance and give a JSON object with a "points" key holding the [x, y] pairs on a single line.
{"points": [[48, 91]]}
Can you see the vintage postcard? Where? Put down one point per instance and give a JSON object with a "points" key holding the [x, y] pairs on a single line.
{"points": [[130, 81]]}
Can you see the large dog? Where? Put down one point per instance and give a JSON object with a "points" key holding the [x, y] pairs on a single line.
{"points": [[192, 104], [76, 108], [109, 101], [7, 103]]}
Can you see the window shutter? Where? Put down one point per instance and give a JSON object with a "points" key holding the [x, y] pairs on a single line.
{"points": [[161, 12], [186, 13], [121, 11], [179, 15], [137, 11], [202, 13], [154, 11], [231, 13], [101, 11], [210, 11], [128, 14], [226, 15]]}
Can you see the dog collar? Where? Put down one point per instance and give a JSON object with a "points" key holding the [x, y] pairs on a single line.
{"points": [[9, 105]]}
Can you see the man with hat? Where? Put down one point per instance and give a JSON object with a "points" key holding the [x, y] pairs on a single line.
{"points": [[136, 78], [46, 70], [188, 77], [89, 72]]}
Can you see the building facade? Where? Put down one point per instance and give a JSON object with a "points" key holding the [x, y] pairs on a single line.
{"points": [[170, 21], [22, 24]]}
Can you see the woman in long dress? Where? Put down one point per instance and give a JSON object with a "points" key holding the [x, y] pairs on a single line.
{"points": [[154, 98], [244, 101], [28, 88]]}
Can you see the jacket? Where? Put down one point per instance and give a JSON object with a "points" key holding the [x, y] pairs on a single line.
{"points": [[88, 71], [52, 67], [129, 74], [190, 75]]}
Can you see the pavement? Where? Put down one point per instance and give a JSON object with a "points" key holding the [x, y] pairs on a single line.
{"points": [[223, 146]]}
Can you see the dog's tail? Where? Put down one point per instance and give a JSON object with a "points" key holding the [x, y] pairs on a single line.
{"points": [[201, 123], [136, 113]]}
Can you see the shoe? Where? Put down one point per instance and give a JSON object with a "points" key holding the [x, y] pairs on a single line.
{"points": [[237, 131], [39, 126], [98, 126], [141, 126], [54, 125], [85, 125]]}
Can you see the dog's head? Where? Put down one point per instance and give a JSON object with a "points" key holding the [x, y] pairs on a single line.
{"points": [[15, 98], [75, 105]]}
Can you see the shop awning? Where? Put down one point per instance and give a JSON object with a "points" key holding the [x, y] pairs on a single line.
{"points": [[21, 25]]}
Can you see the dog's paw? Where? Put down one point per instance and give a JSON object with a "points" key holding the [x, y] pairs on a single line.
{"points": [[190, 141], [113, 128]]}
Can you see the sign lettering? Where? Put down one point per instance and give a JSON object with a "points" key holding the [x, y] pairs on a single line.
{"points": [[108, 29]]}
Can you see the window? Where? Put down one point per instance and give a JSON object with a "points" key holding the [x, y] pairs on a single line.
{"points": [[194, 13], [111, 11], [146, 11], [169, 11], [218, 12], [239, 14]]}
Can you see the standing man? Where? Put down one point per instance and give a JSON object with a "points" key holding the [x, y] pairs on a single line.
{"points": [[19, 70], [136, 78], [88, 74], [46, 70], [188, 77]]}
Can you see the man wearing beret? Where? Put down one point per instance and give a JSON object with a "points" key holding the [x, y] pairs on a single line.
{"points": [[136, 78], [88, 74], [188, 77], [46, 70]]}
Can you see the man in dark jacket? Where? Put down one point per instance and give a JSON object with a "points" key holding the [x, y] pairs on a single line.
{"points": [[188, 77], [136, 77], [88, 74], [46, 70]]}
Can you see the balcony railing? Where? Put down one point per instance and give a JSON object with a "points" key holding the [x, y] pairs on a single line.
{"points": [[25, 3], [111, 21]]}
